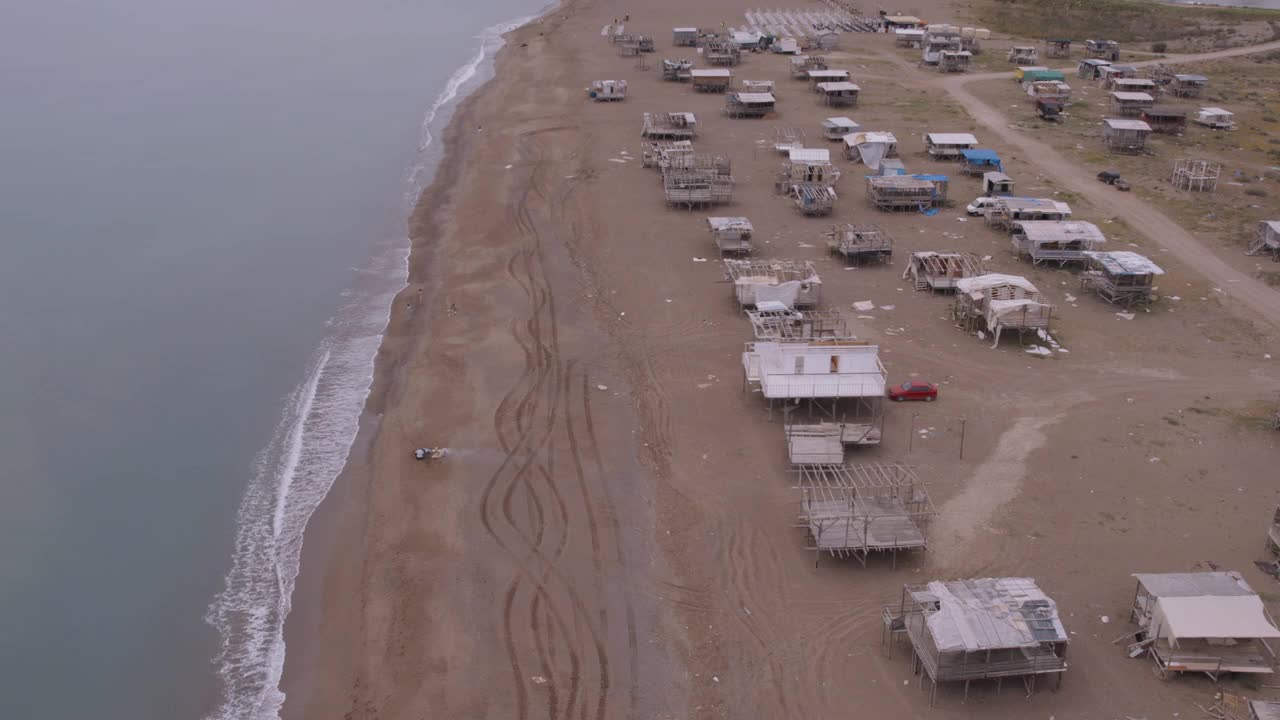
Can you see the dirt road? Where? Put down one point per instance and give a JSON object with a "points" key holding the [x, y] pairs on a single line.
{"points": [[1144, 217]]}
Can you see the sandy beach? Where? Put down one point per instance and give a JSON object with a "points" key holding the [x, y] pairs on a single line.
{"points": [[613, 535]]}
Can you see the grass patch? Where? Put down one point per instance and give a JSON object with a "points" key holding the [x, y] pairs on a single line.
{"points": [[1120, 20], [1270, 277]]}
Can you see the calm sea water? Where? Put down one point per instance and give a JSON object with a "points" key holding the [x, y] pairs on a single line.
{"points": [[1262, 4], [202, 212]]}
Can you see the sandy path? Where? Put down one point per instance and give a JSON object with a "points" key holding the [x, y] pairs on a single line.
{"points": [[1143, 216]]}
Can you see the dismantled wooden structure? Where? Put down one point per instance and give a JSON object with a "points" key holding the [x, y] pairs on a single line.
{"points": [[677, 69], [1165, 119], [1121, 277], [900, 193], [1023, 55], [870, 147], [731, 234], [711, 80], [775, 321], [1125, 135], [748, 104], [835, 128], [1060, 241], [718, 51], [685, 36], [838, 94], [1210, 622], [813, 198], [658, 153], [807, 165], [793, 283], [954, 60], [697, 188], [670, 126], [853, 511], [1057, 47], [1216, 118], [980, 629], [1188, 85], [1266, 239], [1197, 175], [802, 64], [939, 271], [860, 243], [607, 90], [757, 86], [948, 146], [993, 303], [786, 139], [1131, 104]]}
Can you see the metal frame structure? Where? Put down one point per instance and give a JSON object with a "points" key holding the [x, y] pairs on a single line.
{"points": [[696, 188], [1120, 277], [813, 198], [860, 243], [938, 271], [899, 193], [669, 126], [1196, 175], [853, 511]]}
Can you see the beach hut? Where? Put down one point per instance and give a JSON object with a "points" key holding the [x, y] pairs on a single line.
{"points": [[1120, 277], [1109, 73], [900, 193], [1165, 119], [1146, 85], [902, 22], [870, 147], [721, 51], [1054, 91], [853, 511], [813, 198], [1057, 47], [607, 90], [835, 128], [838, 94], [669, 126], [981, 629], [993, 303], [954, 60], [1007, 210], [748, 104], [948, 146], [817, 77], [1188, 85], [1023, 55], [1125, 135], [1210, 622], [757, 86], [1130, 104], [1091, 68], [1102, 49], [996, 184], [684, 37], [793, 283], [677, 69], [979, 161], [1216, 118], [1060, 241], [786, 46], [801, 65], [860, 243], [939, 271], [731, 234], [807, 165], [936, 41], [908, 37], [697, 188], [711, 80], [1266, 239]]}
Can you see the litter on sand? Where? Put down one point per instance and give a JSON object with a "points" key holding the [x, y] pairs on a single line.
{"points": [[1071, 298], [1126, 316], [887, 307], [602, 387], [617, 160], [1038, 350], [864, 306], [698, 259]]}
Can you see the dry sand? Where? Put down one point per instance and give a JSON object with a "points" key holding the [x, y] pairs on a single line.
{"points": [[613, 537]]}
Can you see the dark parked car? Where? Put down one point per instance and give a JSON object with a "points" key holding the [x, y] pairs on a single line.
{"points": [[913, 390]]}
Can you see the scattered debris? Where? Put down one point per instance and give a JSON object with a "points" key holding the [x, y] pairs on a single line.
{"points": [[1124, 315]]}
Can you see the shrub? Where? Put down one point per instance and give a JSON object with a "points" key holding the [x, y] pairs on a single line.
{"points": [[1159, 47]]}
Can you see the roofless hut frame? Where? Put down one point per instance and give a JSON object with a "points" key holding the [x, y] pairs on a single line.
{"points": [[980, 629], [1197, 175], [677, 69], [860, 243], [802, 64], [783, 324], [1120, 277], [939, 271], [813, 198], [669, 126], [853, 511], [697, 188]]}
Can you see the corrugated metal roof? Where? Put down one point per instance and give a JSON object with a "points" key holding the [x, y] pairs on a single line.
{"points": [[869, 137], [1215, 111], [828, 74], [1126, 124], [841, 121], [1191, 78], [711, 72], [809, 155], [992, 613], [837, 86], [1134, 96], [1051, 231], [753, 97], [951, 138], [684, 29], [993, 280], [729, 223], [1217, 584]]}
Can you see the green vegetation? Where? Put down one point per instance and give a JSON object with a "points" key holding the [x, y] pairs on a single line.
{"points": [[1121, 20]]}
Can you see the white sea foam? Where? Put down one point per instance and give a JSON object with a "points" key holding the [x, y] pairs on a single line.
{"points": [[292, 475]]}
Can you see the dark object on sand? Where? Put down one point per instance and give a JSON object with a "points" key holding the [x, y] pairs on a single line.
{"points": [[430, 453]]}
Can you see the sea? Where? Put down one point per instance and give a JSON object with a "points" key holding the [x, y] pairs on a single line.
{"points": [[203, 215]]}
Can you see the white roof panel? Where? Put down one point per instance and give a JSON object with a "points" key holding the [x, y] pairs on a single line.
{"points": [[837, 86], [752, 97], [810, 155], [991, 280], [711, 72], [1215, 111], [951, 138], [1125, 262], [841, 121], [1126, 124], [1239, 616], [685, 29], [837, 74], [1134, 96]]}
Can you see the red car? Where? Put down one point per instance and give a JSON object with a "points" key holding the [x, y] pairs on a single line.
{"points": [[913, 390]]}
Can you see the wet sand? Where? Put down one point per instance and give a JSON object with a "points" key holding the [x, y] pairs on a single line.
{"points": [[613, 536]]}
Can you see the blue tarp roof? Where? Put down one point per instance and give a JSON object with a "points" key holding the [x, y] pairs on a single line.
{"points": [[931, 178], [982, 155]]}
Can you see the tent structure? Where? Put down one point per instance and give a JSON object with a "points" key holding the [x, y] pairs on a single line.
{"points": [[979, 161], [870, 147]]}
